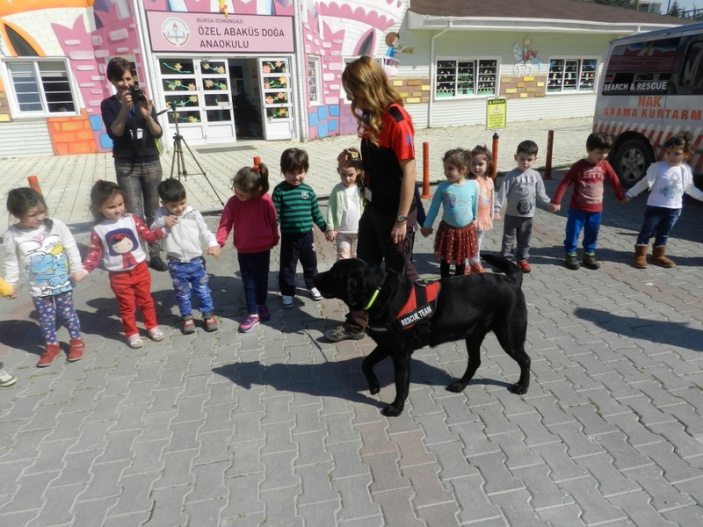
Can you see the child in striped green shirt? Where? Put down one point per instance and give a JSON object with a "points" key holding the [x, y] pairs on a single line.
{"points": [[297, 210]]}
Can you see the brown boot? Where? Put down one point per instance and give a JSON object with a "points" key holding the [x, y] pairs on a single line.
{"points": [[659, 257], [640, 259]]}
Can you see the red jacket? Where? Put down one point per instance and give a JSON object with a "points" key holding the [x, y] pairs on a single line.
{"points": [[587, 178], [254, 223]]}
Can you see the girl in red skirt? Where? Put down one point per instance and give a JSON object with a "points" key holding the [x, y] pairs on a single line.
{"points": [[456, 239]]}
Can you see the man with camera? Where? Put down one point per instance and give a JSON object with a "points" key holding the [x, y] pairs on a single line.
{"points": [[130, 121]]}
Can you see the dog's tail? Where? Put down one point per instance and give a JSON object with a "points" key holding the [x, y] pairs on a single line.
{"points": [[503, 265]]}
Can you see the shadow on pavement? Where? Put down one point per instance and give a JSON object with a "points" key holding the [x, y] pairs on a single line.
{"points": [[659, 331]]}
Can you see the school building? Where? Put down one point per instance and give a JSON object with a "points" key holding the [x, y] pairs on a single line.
{"points": [[223, 71]]}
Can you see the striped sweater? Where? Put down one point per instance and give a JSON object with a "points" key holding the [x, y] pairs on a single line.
{"points": [[297, 208]]}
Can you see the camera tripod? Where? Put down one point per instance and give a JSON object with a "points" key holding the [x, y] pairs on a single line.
{"points": [[178, 164]]}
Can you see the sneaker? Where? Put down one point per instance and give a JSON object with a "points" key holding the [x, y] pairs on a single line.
{"points": [[157, 264], [188, 326], [590, 262], [524, 266], [249, 323], [287, 301], [571, 261], [264, 313], [156, 334], [476, 268], [340, 333], [6, 379], [75, 350], [210, 323], [135, 342], [315, 294], [49, 356]]}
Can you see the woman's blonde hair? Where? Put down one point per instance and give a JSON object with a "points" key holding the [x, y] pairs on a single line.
{"points": [[365, 81]]}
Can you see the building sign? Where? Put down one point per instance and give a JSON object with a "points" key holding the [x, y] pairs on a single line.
{"points": [[217, 33], [496, 114]]}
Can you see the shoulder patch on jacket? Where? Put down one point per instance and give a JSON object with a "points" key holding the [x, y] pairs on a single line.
{"points": [[395, 112]]}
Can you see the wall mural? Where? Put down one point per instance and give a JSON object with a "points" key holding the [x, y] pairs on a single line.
{"points": [[331, 30]]}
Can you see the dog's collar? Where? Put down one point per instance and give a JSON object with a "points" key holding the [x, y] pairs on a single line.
{"points": [[373, 298]]}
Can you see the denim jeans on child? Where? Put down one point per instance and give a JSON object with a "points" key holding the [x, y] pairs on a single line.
{"points": [[589, 223], [187, 275], [658, 223]]}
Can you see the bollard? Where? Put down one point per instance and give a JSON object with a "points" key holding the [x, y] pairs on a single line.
{"points": [[257, 161], [550, 147], [425, 171], [34, 183], [496, 140]]}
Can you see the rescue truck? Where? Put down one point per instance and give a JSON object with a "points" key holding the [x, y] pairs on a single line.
{"points": [[651, 88]]}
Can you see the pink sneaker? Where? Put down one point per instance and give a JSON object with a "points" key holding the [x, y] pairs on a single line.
{"points": [[249, 323]]}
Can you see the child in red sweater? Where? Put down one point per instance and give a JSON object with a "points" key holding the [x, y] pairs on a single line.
{"points": [[586, 207], [251, 215]]}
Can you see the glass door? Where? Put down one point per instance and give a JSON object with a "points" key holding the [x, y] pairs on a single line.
{"points": [[274, 78]]}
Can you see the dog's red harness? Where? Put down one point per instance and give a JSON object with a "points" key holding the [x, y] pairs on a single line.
{"points": [[417, 310]]}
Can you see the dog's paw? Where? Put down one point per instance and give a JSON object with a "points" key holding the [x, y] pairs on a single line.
{"points": [[392, 410], [456, 387], [374, 388], [519, 388]]}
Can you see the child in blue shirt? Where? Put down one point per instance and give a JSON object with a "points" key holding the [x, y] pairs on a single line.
{"points": [[456, 240]]}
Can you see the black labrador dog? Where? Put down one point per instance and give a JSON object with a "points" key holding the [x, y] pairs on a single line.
{"points": [[466, 307]]}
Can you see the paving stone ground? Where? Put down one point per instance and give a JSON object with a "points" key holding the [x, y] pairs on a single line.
{"points": [[277, 428]]}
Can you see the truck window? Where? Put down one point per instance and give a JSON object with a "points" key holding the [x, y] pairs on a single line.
{"points": [[641, 68], [692, 74]]}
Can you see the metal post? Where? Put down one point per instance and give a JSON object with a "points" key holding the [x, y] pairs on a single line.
{"points": [[425, 170], [550, 148], [34, 183], [496, 140]]}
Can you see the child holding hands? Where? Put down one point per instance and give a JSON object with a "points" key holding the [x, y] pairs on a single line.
{"points": [[186, 229], [250, 213], [345, 204], [297, 209], [667, 181], [481, 171], [521, 187], [114, 241], [586, 206], [456, 239], [47, 251]]}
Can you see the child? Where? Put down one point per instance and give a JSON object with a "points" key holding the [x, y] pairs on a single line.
{"points": [[186, 229], [6, 379], [114, 241], [667, 180], [48, 253], [456, 238], [521, 187], [251, 215], [346, 204], [297, 209], [586, 206], [481, 171]]}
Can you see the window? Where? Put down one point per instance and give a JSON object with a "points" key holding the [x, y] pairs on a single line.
{"points": [[314, 95], [41, 86], [571, 75], [692, 75], [465, 78]]}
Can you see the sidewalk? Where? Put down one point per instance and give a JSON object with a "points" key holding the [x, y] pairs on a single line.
{"points": [[276, 427]]}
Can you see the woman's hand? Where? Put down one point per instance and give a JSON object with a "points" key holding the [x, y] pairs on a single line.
{"points": [[398, 231]]}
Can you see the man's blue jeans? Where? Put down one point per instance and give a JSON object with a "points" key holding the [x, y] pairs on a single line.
{"points": [[658, 223], [191, 274], [589, 223]]}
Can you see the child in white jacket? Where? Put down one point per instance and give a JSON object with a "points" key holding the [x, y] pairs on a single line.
{"points": [[186, 229], [345, 204]]}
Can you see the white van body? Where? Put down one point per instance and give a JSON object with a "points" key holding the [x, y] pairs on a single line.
{"points": [[651, 87]]}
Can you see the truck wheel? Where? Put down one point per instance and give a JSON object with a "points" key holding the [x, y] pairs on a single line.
{"points": [[632, 160]]}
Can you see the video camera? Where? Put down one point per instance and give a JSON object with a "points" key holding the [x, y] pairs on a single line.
{"points": [[137, 94]]}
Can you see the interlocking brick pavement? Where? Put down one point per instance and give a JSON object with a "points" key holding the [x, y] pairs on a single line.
{"points": [[277, 427]]}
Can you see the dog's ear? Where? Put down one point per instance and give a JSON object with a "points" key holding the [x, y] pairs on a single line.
{"points": [[356, 292]]}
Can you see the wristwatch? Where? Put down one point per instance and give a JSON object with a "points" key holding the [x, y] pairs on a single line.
{"points": [[401, 218]]}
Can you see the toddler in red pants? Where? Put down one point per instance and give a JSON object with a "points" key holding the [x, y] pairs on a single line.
{"points": [[114, 240]]}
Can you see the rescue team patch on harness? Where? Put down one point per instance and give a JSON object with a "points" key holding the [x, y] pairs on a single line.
{"points": [[420, 305]]}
